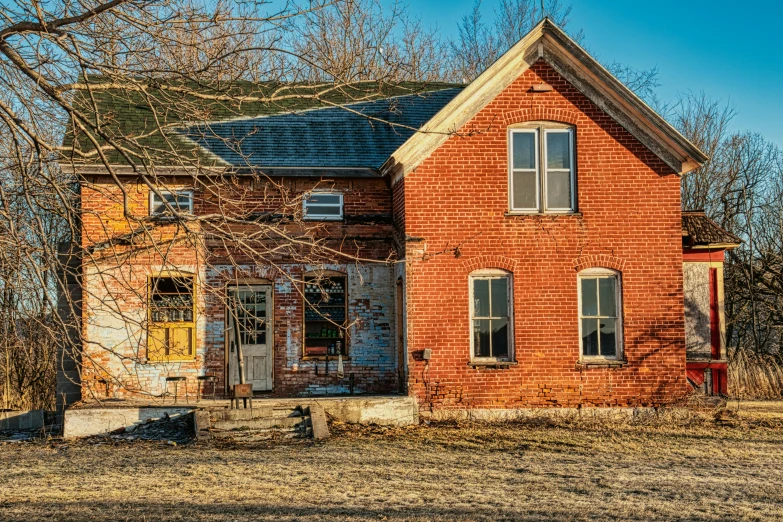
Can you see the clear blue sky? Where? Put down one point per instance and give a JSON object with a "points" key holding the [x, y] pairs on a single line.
{"points": [[731, 50]]}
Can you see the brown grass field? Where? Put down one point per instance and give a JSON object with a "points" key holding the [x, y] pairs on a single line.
{"points": [[691, 467]]}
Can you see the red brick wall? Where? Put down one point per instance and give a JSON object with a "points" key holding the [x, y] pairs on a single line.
{"points": [[628, 219], [115, 301]]}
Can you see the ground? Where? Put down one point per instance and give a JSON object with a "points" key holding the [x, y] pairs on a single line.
{"points": [[684, 467]]}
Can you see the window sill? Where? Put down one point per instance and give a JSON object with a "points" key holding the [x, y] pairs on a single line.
{"points": [[521, 213], [152, 362], [600, 363], [323, 358], [492, 364]]}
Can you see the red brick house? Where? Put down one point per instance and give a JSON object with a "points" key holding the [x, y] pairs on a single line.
{"points": [[523, 249]]}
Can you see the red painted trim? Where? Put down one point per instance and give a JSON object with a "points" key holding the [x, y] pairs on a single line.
{"points": [[708, 256], [705, 365], [720, 375], [714, 315]]}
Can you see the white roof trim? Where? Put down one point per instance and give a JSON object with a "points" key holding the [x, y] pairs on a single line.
{"points": [[548, 42]]}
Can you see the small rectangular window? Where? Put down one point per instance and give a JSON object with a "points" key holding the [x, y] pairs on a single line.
{"points": [[599, 315], [323, 206], [491, 317], [180, 201], [545, 185]]}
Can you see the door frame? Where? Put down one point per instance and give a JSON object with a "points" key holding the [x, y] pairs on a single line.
{"points": [[400, 336], [270, 327]]}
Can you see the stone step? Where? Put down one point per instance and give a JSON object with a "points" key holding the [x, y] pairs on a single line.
{"points": [[255, 413], [258, 423], [254, 435]]}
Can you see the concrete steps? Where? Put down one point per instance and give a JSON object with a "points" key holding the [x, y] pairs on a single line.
{"points": [[260, 423]]}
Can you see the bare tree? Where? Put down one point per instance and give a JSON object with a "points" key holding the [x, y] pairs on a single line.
{"points": [[739, 186], [72, 69]]}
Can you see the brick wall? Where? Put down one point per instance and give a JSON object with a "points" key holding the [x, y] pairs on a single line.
{"points": [[124, 251], [628, 219]]}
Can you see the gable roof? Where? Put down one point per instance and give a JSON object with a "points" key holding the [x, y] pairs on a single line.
{"points": [[548, 42], [699, 231], [302, 130], [356, 136]]}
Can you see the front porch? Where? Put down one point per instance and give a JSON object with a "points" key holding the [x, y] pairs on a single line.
{"points": [[96, 418]]}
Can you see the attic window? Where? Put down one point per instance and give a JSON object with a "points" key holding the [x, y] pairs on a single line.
{"points": [[180, 201], [541, 170], [323, 206]]}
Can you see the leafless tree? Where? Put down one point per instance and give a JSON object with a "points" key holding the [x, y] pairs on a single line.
{"points": [[62, 63], [740, 187]]}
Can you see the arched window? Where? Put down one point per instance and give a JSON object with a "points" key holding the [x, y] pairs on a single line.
{"points": [[600, 313], [491, 308], [542, 173]]}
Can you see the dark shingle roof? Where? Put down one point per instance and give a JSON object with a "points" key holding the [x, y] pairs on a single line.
{"points": [[699, 230], [358, 135], [310, 127]]}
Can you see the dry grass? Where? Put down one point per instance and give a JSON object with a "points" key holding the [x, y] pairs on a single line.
{"points": [[755, 376], [693, 469]]}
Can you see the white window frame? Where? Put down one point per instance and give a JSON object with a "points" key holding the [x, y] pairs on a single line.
{"points": [[492, 274], [599, 273], [189, 192], [322, 217], [540, 132]]}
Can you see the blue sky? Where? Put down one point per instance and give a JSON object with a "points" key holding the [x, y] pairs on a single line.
{"points": [[732, 51]]}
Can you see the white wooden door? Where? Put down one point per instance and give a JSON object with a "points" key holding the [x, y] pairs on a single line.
{"points": [[251, 307]]}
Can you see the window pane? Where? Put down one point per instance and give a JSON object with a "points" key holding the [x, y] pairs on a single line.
{"points": [[608, 337], [500, 338], [183, 201], [524, 145], [499, 297], [558, 190], [321, 210], [590, 336], [480, 298], [589, 298], [323, 199], [607, 296], [481, 337], [558, 150], [524, 195]]}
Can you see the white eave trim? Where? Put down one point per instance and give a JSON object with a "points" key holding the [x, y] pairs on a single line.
{"points": [[547, 41]]}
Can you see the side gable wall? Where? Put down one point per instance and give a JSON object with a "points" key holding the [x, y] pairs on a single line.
{"points": [[628, 220]]}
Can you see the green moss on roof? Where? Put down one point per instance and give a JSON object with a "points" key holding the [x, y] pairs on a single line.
{"points": [[150, 123]]}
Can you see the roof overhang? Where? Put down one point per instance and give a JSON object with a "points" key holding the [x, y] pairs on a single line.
{"points": [[218, 170], [548, 42], [715, 246]]}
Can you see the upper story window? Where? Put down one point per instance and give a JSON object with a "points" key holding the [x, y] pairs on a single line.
{"points": [[542, 175], [323, 206], [600, 313], [179, 200], [490, 315]]}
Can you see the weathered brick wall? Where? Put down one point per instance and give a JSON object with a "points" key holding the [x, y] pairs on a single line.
{"points": [[628, 219], [123, 252]]}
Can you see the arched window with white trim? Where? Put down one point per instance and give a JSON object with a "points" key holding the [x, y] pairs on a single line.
{"points": [[491, 306], [600, 313]]}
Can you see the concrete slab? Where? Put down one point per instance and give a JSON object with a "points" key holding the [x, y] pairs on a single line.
{"points": [[318, 421], [22, 420], [86, 422], [382, 411]]}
